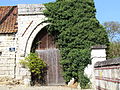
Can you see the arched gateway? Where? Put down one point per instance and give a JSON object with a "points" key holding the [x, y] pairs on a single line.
{"points": [[32, 35]]}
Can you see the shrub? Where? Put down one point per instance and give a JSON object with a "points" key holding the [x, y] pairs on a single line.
{"points": [[114, 50], [36, 66]]}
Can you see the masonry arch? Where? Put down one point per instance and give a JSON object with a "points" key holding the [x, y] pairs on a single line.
{"points": [[41, 42], [30, 24], [32, 36]]}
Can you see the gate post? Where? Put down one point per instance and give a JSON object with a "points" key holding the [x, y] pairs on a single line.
{"points": [[98, 53]]}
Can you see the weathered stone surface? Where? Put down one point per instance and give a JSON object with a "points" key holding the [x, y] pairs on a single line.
{"points": [[14, 47], [29, 18], [10, 81], [109, 62], [7, 57], [30, 8]]}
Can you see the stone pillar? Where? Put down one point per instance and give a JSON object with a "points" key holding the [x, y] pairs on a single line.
{"points": [[98, 54], [29, 19]]}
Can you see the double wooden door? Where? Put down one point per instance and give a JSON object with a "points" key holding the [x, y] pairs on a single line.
{"points": [[45, 46]]}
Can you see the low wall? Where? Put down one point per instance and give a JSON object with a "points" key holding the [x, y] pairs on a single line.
{"points": [[107, 74]]}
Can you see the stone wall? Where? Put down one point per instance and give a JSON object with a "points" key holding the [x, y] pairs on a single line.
{"points": [[107, 74], [98, 53], [30, 17], [14, 47], [7, 55]]}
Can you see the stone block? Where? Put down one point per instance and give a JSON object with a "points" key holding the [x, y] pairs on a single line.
{"points": [[2, 73], [23, 71], [30, 8], [3, 68], [11, 72]]}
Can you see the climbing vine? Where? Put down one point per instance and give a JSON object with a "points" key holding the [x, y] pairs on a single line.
{"points": [[76, 29]]}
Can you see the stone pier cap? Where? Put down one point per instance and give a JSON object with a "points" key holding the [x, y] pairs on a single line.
{"points": [[28, 9], [99, 47]]}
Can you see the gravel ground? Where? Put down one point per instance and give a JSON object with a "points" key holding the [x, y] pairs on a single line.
{"points": [[37, 88]]}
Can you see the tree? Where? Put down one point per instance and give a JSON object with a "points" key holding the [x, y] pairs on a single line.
{"points": [[113, 30], [114, 50], [76, 29]]}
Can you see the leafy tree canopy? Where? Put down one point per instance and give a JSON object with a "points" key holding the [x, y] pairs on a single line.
{"points": [[113, 30], [76, 29]]}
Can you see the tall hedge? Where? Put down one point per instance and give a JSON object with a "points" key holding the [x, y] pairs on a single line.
{"points": [[76, 29]]}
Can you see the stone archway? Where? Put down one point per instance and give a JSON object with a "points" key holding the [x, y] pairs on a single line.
{"points": [[44, 45], [32, 36], [24, 42], [30, 23]]}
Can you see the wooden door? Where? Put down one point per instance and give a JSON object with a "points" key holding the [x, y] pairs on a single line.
{"points": [[45, 46]]}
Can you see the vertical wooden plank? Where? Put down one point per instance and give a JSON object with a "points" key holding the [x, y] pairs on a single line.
{"points": [[52, 57], [47, 51]]}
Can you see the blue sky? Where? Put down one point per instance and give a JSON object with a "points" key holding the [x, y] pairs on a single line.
{"points": [[107, 10]]}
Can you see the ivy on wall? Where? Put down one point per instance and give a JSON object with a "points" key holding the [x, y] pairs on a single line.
{"points": [[76, 29]]}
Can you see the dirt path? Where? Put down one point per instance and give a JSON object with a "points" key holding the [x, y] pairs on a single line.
{"points": [[37, 88]]}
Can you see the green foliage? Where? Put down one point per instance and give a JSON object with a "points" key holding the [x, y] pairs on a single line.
{"points": [[114, 50], [35, 64], [84, 81], [113, 31], [74, 25]]}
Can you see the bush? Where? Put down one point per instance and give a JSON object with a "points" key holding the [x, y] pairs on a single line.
{"points": [[114, 50], [36, 66]]}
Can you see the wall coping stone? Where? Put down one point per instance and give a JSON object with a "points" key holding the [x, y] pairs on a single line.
{"points": [[99, 47], [109, 62], [30, 9]]}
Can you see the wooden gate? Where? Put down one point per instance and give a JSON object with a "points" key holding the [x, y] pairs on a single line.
{"points": [[45, 46]]}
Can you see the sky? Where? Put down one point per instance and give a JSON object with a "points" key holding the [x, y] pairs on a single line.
{"points": [[107, 10]]}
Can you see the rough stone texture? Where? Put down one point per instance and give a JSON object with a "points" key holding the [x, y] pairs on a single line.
{"points": [[109, 62], [30, 17], [7, 57], [99, 47], [98, 53], [30, 9], [10, 81], [29, 24], [107, 74]]}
